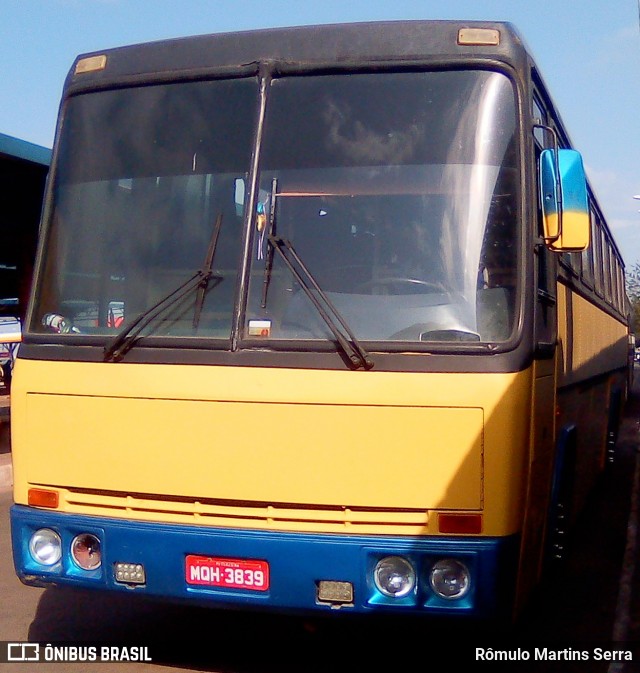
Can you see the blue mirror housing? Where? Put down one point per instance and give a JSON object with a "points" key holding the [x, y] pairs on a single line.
{"points": [[565, 206]]}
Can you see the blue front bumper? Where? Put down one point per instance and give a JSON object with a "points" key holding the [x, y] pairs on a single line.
{"points": [[297, 563]]}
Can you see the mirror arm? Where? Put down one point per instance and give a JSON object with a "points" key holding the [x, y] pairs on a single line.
{"points": [[558, 182]]}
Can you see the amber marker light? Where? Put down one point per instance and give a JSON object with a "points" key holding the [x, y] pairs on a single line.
{"points": [[41, 497], [459, 524]]}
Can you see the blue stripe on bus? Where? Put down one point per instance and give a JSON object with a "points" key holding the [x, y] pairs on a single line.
{"points": [[297, 561]]}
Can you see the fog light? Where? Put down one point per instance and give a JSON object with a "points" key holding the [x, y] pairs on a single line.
{"points": [[394, 576], [45, 547], [450, 579], [85, 550]]}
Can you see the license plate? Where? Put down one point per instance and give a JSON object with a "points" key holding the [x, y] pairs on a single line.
{"points": [[229, 573]]}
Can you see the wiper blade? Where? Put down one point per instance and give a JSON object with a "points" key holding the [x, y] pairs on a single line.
{"points": [[207, 270], [124, 340], [268, 266], [351, 347]]}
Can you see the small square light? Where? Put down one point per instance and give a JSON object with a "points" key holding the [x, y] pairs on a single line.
{"points": [[129, 573], [331, 591]]}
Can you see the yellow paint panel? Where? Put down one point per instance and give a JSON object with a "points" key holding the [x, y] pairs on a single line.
{"points": [[576, 230], [403, 427], [350, 455], [591, 341]]}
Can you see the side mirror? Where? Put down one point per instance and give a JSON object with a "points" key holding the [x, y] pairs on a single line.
{"points": [[563, 194]]}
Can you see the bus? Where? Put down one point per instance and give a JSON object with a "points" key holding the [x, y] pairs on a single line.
{"points": [[325, 319]]}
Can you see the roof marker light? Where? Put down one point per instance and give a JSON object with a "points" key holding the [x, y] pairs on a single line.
{"points": [[91, 64], [478, 36]]}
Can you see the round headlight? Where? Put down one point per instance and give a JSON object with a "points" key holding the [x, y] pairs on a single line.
{"points": [[45, 546], [450, 578], [86, 552], [394, 576]]}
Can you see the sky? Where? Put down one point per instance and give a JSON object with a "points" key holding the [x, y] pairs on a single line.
{"points": [[587, 50]]}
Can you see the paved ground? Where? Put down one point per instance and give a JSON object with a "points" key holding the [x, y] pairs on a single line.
{"points": [[628, 619]]}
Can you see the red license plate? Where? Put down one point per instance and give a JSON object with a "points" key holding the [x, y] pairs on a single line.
{"points": [[229, 573]]}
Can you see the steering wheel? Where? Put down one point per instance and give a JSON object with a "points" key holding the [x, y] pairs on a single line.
{"points": [[425, 332], [399, 281]]}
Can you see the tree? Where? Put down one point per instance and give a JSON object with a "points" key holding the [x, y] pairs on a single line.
{"points": [[633, 292]]}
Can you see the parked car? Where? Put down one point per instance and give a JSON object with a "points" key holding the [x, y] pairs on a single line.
{"points": [[10, 337]]}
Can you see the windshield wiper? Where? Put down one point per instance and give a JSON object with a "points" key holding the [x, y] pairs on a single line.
{"points": [[125, 339], [268, 265], [207, 271], [351, 347]]}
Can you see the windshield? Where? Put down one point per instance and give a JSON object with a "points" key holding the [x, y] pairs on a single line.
{"points": [[398, 192], [142, 179]]}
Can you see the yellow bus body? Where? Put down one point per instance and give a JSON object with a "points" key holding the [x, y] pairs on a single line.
{"points": [[393, 447]]}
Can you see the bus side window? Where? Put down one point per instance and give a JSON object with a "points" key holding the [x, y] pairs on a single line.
{"points": [[545, 261], [545, 307], [545, 301]]}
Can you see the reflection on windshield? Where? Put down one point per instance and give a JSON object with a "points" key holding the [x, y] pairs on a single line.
{"points": [[404, 212], [393, 265], [150, 236], [143, 175]]}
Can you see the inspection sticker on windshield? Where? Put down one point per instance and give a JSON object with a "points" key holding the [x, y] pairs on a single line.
{"points": [[259, 328], [228, 573]]}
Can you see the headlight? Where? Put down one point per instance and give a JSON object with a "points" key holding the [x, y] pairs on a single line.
{"points": [[394, 576], [450, 578], [86, 552], [45, 547]]}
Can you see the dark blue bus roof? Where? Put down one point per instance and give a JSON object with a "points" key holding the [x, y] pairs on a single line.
{"points": [[330, 45]]}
